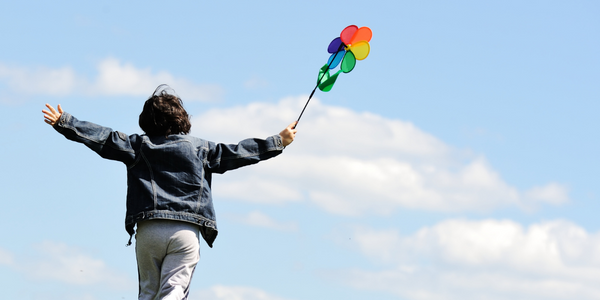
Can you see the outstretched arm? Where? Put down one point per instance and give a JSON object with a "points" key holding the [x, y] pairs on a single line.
{"points": [[107, 143], [52, 116], [224, 157], [288, 134]]}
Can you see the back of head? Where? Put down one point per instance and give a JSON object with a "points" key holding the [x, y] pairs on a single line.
{"points": [[163, 114]]}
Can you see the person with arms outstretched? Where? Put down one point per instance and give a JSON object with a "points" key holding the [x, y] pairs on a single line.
{"points": [[169, 175]]}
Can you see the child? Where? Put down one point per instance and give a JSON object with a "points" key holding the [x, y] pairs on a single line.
{"points": [[169, 177]]}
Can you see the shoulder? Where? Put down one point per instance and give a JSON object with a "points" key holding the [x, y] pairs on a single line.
{"points": [[196, 142]]}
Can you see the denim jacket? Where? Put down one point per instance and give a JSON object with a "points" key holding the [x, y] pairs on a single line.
{"points": [[169, 177]]}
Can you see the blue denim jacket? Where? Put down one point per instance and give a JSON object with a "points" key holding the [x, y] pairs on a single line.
{"points": [[169, 177]]}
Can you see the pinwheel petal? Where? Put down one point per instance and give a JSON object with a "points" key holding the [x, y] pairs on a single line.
{"points": [[362, 34], [348, 33], [360, 50], [335, 45], [348, 63], [336, 58]]}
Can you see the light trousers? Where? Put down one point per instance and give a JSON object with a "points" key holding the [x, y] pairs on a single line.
{"points": [[167, 253]]}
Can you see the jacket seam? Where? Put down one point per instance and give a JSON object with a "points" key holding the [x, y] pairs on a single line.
{"points": [[154, 193]]}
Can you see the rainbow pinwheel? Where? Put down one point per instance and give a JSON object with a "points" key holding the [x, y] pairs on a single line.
{"points": [[351, 45]]}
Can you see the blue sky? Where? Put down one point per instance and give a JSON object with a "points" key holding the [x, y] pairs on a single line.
{"points": [[458, 161]]}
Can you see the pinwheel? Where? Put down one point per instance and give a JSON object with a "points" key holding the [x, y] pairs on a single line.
{"points": [[350, 46]]}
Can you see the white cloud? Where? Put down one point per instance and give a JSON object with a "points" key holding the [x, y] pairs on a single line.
{"points": [[114, 78], [259, 219], [360, 163], [489, 259], [264, 192], [552, 193], [220, 292], [41, 80]]}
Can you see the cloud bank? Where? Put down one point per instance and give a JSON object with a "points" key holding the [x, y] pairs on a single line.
{"points": [[487, 259], [352, 163], [113, 78]]}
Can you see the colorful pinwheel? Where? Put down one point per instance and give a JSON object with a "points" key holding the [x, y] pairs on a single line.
{"points": [[351, 45]]}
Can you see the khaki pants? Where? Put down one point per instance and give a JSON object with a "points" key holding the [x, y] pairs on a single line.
{"points": [[167, 253]]}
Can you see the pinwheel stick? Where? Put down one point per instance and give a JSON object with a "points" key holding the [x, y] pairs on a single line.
{"points": [[309, 97], [316, 86]]}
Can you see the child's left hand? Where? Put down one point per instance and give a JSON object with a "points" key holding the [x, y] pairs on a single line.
{"points": [[52, 116], [288, 134]]}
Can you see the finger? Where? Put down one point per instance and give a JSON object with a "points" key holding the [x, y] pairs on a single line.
{"points": [[51, 108], [60, 110]]}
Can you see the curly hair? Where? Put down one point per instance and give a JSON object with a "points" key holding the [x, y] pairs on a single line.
{"points": [[163, 114]]}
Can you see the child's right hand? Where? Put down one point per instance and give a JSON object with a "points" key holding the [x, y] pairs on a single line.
{"points": [[52, 116], [288, 134]]}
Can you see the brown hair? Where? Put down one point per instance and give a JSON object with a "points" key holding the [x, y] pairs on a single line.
{"points": [[163, 114]]}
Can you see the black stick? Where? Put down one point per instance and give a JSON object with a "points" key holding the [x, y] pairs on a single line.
{"points": [[318, 82]]}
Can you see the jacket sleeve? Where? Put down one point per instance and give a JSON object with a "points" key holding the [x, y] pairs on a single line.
{"points": [[107, 143], [225, 157]]}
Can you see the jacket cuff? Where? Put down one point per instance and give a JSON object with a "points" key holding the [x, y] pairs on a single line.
{"points": [[278, 142], [60, 123]]}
